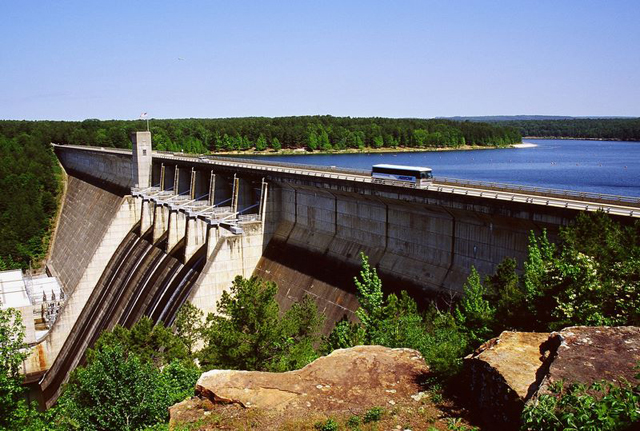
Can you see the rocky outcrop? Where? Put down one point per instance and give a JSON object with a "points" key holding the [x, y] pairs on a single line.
{"points": [[346, 380], [589, 354], [503, 373], [512, 369]]}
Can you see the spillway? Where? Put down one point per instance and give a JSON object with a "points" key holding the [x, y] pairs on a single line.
{"points": [[140, 279]]}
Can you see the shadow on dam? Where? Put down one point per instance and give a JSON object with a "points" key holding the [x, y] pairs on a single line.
{"points": [[141, 279]]}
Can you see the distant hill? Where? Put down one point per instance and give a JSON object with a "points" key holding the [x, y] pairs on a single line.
{"points": [[497, 118]]}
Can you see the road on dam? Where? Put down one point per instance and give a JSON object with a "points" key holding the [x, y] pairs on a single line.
{"points": [[611, 204]]}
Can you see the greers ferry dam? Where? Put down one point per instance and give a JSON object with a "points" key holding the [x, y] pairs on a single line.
{"points": [[141, 232]]}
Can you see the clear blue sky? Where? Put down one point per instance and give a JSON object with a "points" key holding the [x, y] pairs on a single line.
{"points": [[115, 59]]}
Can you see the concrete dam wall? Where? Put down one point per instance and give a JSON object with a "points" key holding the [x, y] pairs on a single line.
{"points": [[423, 247], [124, 253]]}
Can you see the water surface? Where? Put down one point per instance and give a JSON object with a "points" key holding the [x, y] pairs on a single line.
{"points": [[592, 166]]}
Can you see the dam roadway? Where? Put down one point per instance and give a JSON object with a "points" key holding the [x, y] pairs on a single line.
{"points": [[582, 201], [575, 200], [140, 235]]}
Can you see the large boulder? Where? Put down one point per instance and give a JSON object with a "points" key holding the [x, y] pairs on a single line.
{"points": [[503, 373], [584, 354], [514, 368], [362, 376]]}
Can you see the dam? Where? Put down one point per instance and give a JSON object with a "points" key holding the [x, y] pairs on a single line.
{"points": [[141, 232]]}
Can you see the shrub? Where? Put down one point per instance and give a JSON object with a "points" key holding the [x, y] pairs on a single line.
{"points": [[328, 425], [373, 415], [396, 322], [602, 406], [353, 422]]}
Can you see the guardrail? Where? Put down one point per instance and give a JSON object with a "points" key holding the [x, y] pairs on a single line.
{"points": [[336, 169], [541, 191]]}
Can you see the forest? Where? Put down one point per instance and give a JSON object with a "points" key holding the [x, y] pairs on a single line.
{"points": [[623, 129], [30, 184], [323, 133]]}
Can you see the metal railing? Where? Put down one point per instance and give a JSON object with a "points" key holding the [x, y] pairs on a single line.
{"points": [[248, 161], [542, 191]]}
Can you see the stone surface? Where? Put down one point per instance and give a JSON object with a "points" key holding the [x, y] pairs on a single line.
{"points": [[589, 354], [360, 377], [508, 371], [503, 374]]}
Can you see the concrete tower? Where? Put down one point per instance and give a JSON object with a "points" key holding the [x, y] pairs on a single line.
{"points": [[141, 166]]}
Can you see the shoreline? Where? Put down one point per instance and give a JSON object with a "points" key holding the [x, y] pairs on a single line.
{"points": [[303, 152], [565, 138]]}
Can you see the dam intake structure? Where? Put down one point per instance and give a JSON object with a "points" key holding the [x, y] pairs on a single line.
{"points": [[141, 232]]}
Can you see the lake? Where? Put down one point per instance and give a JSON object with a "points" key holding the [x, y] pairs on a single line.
{"points": [[593, 166]]}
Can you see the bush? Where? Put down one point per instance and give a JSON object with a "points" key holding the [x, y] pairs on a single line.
{"points": [[602, 406], [353, 422], [591, 277], [445, 344], [373, 415], [329, 425]]}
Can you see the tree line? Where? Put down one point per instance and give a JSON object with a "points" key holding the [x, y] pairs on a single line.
{"points": [[325, 133], [624, 129]]}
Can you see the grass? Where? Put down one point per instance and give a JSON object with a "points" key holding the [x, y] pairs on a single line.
{"points": [[413, 415]]}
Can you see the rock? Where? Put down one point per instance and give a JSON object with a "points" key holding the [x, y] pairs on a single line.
{"points": [[347, 379], [514, 368], [586, 355], [502, 375]]}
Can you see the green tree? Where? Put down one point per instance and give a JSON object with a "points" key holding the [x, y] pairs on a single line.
{"points": [[507, 293], [312, 141], [117, 390], [371, 300], [275, 144], [188, 326], [445, 343], [590, 277], [248, 332], [323, 141], [155, 344], [261, 143], [538, 270], [474, 312], [396, 322], [12, 353]]}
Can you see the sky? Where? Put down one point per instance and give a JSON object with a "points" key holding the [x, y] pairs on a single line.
{"points": [[72, 60]]}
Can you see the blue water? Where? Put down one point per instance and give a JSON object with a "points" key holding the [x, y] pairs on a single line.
{"points": [[591, 166]]}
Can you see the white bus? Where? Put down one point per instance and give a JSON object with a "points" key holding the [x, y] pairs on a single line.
{"points": [[415, 175]]}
